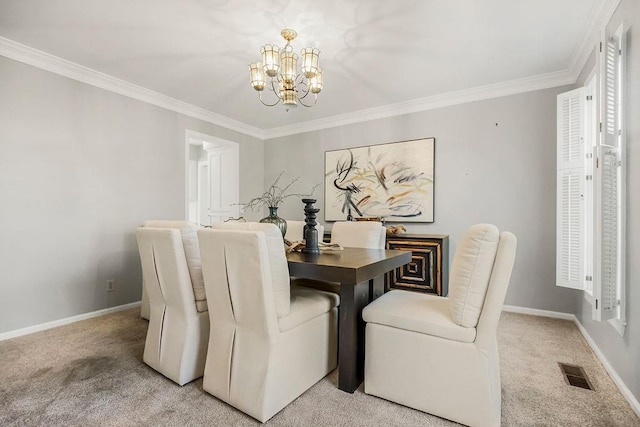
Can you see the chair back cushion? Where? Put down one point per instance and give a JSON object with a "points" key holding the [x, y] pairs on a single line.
{"points": [[359, 234], [470, 273], [188, 232], [295, 231], [277, 259], [498, 284]]}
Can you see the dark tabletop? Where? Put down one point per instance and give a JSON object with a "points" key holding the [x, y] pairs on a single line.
{"points": [[351, 265]]}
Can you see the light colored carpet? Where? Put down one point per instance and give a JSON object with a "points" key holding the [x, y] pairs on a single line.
{"points": [[91, 373]]}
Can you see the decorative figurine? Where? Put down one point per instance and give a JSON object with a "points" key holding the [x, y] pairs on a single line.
{"points": [[310, 231]]}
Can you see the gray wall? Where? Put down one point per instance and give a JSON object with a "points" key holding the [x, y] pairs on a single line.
{"points": [[80, 169], [624, 352], [495, 161]]}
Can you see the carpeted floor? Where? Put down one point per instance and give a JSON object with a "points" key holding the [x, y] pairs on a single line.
{"points": [[91, 373]]}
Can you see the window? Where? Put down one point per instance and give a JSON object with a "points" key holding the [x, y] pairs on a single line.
{"points": [[591, 185]]}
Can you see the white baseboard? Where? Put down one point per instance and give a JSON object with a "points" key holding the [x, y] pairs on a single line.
{"points": [[537, 312], [65, 321], [635, 405], [633, 402]]}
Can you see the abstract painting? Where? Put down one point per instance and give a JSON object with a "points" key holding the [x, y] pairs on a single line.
{"points": [[393, 181]]}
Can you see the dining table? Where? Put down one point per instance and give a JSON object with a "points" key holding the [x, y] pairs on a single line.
{"points": [[354, 269]]}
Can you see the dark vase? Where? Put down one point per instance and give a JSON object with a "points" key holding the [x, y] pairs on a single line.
{"points": [[273, 218]]}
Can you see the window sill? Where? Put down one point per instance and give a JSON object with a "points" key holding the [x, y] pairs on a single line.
{"points": [[618, 325]]}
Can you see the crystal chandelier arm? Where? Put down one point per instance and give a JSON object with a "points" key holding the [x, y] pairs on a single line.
{"points": [[267, 104], [276, 86], [302, 90], [302, 87], [315, 100], [272, 88]]}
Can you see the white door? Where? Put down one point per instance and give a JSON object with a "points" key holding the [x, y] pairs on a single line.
{"points": [[213, 177], [223, 180], [203, 193]]}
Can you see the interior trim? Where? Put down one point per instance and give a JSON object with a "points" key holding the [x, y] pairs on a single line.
{"points": [[37, 58], [538, 312], [61, 322], [496, 90], [599, 16], [633, 402], [63, 67]]}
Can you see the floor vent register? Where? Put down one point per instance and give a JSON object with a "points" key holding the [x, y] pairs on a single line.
{"points": [[575, 376]]}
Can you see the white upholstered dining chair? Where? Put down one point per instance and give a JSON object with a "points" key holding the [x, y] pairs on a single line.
{"points": [[193, 253], [353, 234], [269, 342], [178, 330], [440, 355], [359, 234], [295, 231]]}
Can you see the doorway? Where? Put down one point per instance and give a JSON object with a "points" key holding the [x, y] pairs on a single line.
{"points": [[212, 174]]}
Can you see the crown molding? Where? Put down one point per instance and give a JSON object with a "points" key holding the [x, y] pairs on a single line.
{"points": [[54, 64], [601, 13], [528, 84]]}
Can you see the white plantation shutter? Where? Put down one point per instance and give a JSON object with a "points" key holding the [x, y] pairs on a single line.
{"points": [[570, 129], [609, 216], [570, 246], [590, 138], [570, 219], [610, 101], [610, 253], [591, 186]]}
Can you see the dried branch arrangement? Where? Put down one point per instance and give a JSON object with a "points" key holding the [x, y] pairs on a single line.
{"points": [[275, 195]]}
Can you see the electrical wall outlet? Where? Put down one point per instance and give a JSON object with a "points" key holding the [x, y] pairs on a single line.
{"points": [[111, 285]]}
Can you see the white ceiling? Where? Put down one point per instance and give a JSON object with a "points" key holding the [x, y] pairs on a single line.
{"points": [[374, 53]]}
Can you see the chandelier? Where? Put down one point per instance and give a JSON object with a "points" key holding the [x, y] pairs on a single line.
{"points": [[281, 67]]}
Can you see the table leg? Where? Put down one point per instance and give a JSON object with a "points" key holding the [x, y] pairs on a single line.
{"points": [[376, 288], [351, 336]]}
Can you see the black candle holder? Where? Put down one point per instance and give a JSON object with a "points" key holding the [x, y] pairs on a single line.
{"points": [[310, 231]]}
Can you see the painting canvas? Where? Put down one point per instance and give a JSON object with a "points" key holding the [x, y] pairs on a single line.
{"points": [[394, 181]]}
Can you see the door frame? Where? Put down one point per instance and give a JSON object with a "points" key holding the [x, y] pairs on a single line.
{"points": [[200, 139]]}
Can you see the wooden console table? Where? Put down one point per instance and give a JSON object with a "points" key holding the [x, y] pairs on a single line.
{"points": [[428, 270]]}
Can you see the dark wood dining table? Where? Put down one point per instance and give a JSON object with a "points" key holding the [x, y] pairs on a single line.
{"points": [[354, 269]]}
